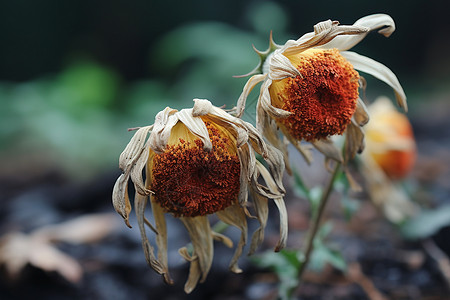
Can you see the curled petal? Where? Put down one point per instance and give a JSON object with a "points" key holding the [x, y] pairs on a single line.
{"points": [[328, 148], [195, 271], [223, 239], [136, 172], [201, 237], [251, 83], [120, 199], [279, 203], [133, 150], [158, 140], [161, 238], [324, 32], [361, 115], [281, 67], [372, 22], [380, 71], [196, 126], [234, 215], [262, 212], [266, 105], [245, 174], [354, 141], [140, 202], [201, 107]]}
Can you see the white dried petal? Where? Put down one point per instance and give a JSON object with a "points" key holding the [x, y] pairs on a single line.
{"points": [[201, 107], [378, 70], [196, 126]]}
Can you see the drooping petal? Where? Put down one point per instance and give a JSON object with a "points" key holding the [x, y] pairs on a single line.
{"points": [[354, 141], [120, 199], [266, 105], [134, 148], [281, 67], [234, 215], [305, 151], [372, 22], [195, 271], [133, 158], [245, 173], [140, 202], [248, 87], [201, 236], [196, 126], [262, 212], [280, 205], [378, 70], [161, 238], [223, 239], [328, 148], [136, 172], [157, 139], [270, 129], [361, 115]]}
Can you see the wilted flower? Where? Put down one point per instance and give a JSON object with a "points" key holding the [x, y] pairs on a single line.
{"points": [[199, 161], [310, 86], [389, 156], [390, 139]]}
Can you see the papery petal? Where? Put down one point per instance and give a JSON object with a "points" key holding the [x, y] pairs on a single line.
{"points": [[195, 271], [361, 115], [328, 148], [234, 215], [223, 239], [354, 137], [136, 172], [196, 126], [265, 102], [120, 199], [134, 148], [261, 205], [372, 22], [324, 32], [161, 238], [279, 203], [280, 67], [305, 151], [140, 202], [201, 107], [201, 237], [164, 119], [380, 71], [248, 87], [245, 173]]}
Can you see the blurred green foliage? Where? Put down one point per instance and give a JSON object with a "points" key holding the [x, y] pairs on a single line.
{"points": [[76, 120]]}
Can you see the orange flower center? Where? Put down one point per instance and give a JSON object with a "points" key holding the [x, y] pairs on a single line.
{"points": [[190, 181], [323, 100]]}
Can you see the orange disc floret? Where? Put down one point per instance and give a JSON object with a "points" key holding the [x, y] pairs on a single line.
{"points": [[322, 100], [190, 181]]}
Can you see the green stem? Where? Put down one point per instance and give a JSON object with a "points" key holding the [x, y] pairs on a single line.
{"points": [[309, 246]]}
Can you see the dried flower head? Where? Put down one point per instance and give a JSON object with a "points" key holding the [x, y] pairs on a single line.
{"points": [[198, 162], [389, 156], [310, 87]]}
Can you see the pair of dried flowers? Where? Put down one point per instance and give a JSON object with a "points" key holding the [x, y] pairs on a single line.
{"points": [[201, 161]]}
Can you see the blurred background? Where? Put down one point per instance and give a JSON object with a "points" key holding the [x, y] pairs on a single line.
{"points": [[75, 74]]}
